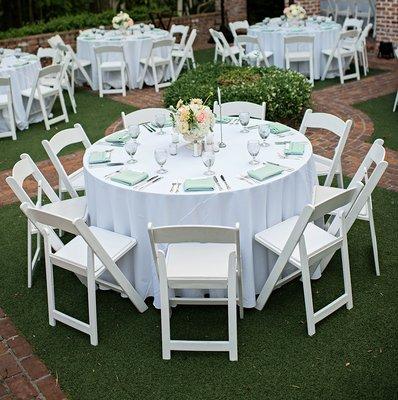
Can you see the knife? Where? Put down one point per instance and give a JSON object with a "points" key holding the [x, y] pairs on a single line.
{"points": [[150, 183], [218, 184], [139, 184], [226, 184]]}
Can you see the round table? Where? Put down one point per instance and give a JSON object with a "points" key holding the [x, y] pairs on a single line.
{"points": [[136, 46], [124, 210], [23, 73], [271, 38]]}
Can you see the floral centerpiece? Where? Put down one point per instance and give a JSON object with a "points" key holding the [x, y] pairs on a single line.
{"points": [[194, 120], [295, 12], [122, 21]]}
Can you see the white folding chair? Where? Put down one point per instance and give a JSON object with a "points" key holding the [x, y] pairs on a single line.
{"points": [[154, 61], [181, 32], [299, 55], [369, 172], [77, 65], [236, 107], [6, 105], [363, 10], [46, 52], [40, 92], [73, 182], [53, 41], [342, 10], [239, 28], [185, 56], [256, 56], [342, 51], [198, 257], [302, 244], [325, 166], [223, 49], [143, 116], [89, 254], [362, 49], [75, 207], [352, 23], [327, 8], [110, 66]]}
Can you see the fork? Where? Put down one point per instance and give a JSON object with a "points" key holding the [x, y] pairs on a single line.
{"points": [[112, 173], [246, 179], [173, 185], [285, 157]]}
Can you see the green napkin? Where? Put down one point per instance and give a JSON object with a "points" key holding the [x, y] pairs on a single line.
{"points": [[199, 185], [294, 149], [120, 137], [224, 120], [99, 157], [277, 128], [128, 177], [260, 174]]}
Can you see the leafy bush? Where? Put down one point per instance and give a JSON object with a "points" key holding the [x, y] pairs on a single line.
{"points": [[286, 93]]}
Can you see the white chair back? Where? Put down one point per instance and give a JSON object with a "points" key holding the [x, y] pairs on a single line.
{"points": [[142, 116], [99, 51], [364, 35], [297, 39], [238, 26], [54, 41], [352, 23], [46, 52], [242, 41], [236, 107], [180, 31], [188, 51], [222, 45]]}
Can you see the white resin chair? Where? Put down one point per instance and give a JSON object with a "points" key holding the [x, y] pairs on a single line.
{"points": [[110, 66], [154, 61], [238, 28], [198, 257], [352, 23], [89, 254], [42, 93], [181, 32], [327, 8], [236, 107], [344, 51], [369, 173], [46, 52], [362, 49], [257, 56], [301, 243], [185, 56], [223, 49], [73, 182], [342, 10], [75, 207], [6, 105], [143, 116], [53, 41], [325, 166], [364, 10], [300, 55]]}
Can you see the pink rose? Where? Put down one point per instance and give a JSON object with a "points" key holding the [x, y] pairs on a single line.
{"points": [[201, 117]]}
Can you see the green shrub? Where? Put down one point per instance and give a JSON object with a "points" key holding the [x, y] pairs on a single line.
{"points": [[286, 93]]}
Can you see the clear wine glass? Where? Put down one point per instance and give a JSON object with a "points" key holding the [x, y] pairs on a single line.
{"points": [[131, 148], [244, 119], [134, 131], [253, 147], [161, 158], [208, 159], [142, 28], [160, 120], [264, 131], [17, 53]]}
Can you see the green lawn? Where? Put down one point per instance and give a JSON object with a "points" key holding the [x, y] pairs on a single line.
{"points": [[384, 120], [93, 113], [353, 354]]}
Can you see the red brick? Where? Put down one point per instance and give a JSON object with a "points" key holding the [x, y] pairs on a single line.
{"points": [[8, 366], [21, 388], [34, 367], [50, 389], [3, 390], [7, 328], [3, 348], [20, 346]]}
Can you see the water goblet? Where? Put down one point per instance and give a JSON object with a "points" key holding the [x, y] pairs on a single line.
{"points": [[17, 53], [151, 27], [131, 148], [244, 119], [134, 131], [142, 28], [160, 120], [1, 51], [161, 158], [253, 147], [175, 136], [208, 159], [264, 131]]}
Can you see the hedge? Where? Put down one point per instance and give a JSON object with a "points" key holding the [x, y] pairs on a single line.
{"points": [[287, 93]]}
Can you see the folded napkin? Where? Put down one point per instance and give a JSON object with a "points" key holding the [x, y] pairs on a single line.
{"points": [[99, 157], [199, 185], [277, 128], [294, 149], [260, 174], [120, 137], [168, 124], [224, 120], [128, 177]]}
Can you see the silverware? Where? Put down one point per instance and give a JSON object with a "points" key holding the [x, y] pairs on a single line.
{"points": [[244, 178], [279, 165], [252, 127], [141, 184], [217, 183], [173, 185], [150, 183], [226, 183], [289, 157], [178, 187], [112, 173]]}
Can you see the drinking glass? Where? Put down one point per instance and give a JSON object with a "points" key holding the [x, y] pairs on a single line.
{"points": [[208, 159], [264, 131], [134, 131], [175, 136], [17, 53], [151, 27], [253, 147], [1, 51], [161, 158], [160, 120], [142, 28], [244, 119], [131, 148]]}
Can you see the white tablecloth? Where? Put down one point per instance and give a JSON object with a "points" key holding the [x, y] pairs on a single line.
{"points": [[271, 38], [22, 77], [136, 47], [124, 210]]}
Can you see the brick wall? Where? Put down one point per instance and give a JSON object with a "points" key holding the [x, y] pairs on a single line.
{"points": [[310, 6], [387, 21], [235, 10]]}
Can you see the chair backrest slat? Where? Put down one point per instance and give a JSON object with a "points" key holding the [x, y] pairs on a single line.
{"points": [[236, 107], [293, 39], [142, 116], [181, 30], [238, 25], [163, 43], [352, 23]]}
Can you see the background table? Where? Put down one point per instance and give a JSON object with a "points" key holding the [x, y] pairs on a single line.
{"points": [[136, 47], [271, 38], [124, 210]]}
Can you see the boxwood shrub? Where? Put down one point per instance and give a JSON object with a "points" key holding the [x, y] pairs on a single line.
{"points": [[286, 93]]}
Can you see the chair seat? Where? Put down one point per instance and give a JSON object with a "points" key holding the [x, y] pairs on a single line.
{"points": [[70, 208], [75, 252], [76, 179], [156, 60], [180, 53], [112, 65], [343, 52], [298, 55], [3, 100], [316, 239], [195, 262], [45, 91]]}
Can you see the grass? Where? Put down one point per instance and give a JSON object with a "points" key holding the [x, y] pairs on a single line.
{"points": [[384, 120], [93, 113], [352, 355]]}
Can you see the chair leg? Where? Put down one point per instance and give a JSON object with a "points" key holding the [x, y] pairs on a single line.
{"points": [[29, 256], [309, 306], [327, 66], [240, 295], [50, 284], [44, 112], [63, 106], [357, 66], [341, 72], [193, 61], [395, 103], [374, 238], [92, 308], [165, 322], [346, 269], [100, 86], [12, 121], [155, 78], [232, 318], [123, 82], [340, 181]]}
